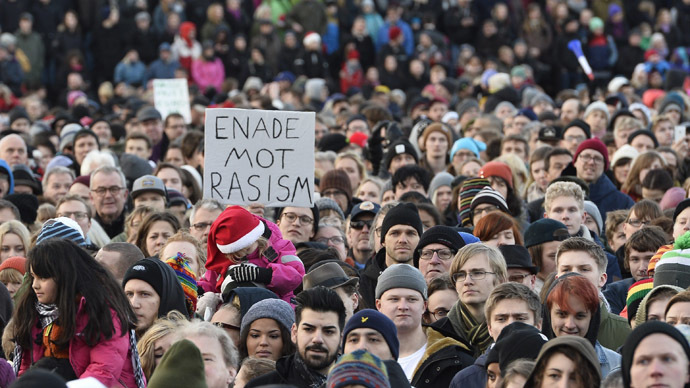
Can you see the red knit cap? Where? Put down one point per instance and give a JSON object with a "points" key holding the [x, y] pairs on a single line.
{"points": [[15, 262], [498, 169], [596, 145], [394, 32], [233, 230]]}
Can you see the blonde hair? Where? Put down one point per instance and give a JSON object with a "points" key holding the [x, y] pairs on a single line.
{"points": [[142, 212], [564, 189], [519, 171], [497, 263], [357, 159], [16, 227], [627, 122], [147, 343], [10, 275]]}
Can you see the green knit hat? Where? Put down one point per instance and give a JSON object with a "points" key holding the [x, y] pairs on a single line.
{"points": [[182, 362]]}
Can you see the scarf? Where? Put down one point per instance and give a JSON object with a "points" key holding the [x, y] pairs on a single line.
{"points": [[312, 378], [47, 313], [465, 325]]}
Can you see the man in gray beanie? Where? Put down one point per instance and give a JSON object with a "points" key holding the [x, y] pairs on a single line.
{"points": [[401, 295]]}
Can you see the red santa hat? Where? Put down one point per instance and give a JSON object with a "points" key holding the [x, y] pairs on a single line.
{"points": [[311, 37]]}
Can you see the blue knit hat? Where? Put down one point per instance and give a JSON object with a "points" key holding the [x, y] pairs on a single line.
{"points": [[372, 319], [62, 228], [276, 309], [467, 143]]}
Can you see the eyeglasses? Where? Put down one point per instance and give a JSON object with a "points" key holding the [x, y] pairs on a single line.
{"points": [[292, 217], [443, 254], [590, 158], [439, 313], [359, 225], [638, 223], [488, 209], [474, 275], [114, 190], [201, 226], [517, 278], [332, 193], [335, 240], [225, 326], [76, 215], [575, 139]]}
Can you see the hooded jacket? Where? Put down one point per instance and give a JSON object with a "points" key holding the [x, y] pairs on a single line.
{"points": [[443, 358], [641, 315], [5, 169], [572, 344], [171, 294]]}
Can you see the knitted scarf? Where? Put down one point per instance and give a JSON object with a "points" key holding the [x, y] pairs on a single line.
{"points": [[465, 325], [312, 378]]}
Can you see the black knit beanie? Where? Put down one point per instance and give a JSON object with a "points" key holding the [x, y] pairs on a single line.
{"points": [[403, 214]]}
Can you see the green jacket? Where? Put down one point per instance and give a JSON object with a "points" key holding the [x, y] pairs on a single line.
{"points": [[613, 329]]}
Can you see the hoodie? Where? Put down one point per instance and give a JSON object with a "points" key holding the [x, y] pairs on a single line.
{"points": [[572, 344], [5, 169]]}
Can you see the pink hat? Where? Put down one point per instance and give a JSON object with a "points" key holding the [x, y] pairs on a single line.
{"points": [[672, 198], [15, 262]]}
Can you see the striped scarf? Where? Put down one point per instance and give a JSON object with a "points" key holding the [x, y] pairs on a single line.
{"points": [[465, 325]]}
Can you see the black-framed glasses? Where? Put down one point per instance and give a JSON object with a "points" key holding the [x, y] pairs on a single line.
{"points": [[518, 278], [438, 313], [487, 209], [638, 223], [474, 275], [226, 326], [114, 190], [359, 225], [443, 253], [292, 217]]}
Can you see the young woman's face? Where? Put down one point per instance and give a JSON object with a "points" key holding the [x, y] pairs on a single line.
{"points": [[158, 234], [621, 172], [560, 371], [12, 287], [504, 237], [264, 339], [11, 246], [369, 191], [161, 346], [573, 322], [539, 174], [45, 289]]}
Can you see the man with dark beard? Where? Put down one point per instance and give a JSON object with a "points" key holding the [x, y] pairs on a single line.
{"points": [[317, 332]]}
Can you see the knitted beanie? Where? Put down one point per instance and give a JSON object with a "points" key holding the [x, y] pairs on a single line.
{"points": [[16, 262], [359, 368], [643, 132], [337, 179], [626, 151], [679, 209], [498, 169], [372, 319], [491, 196], [641, 315], [600, 106], [470, 188], [580, 124], [596, 145], [405, 213], [657, 256], [543, 231], [27, 205], [467, 143], [674, 267], [401, 276], [435, 127], [441, 179], [672, 198], [333, 142], [325, 203], [400, 146], [636, 293], [187, 279], [516, 341], [182, 362], [61, 228], [640, 333], [276, 309], [592, 210]]}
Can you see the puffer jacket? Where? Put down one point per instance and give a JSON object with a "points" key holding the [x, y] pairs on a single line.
{"points": [[109, 361]]}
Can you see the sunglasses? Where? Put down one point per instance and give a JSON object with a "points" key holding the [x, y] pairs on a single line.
{"points": [[359, 225]]}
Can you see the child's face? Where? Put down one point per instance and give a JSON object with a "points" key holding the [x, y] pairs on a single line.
{"points": [[242, 253], [12, 287], [45, 289]]}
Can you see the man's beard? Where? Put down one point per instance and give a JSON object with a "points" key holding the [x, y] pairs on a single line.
{"points": [[319, 362]]}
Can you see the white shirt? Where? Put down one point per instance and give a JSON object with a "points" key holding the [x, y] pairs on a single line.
{"points": [[409, 363]]}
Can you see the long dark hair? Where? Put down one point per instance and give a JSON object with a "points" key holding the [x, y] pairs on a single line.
{"points": [[148, 222], [288, 346], [76, 274]]}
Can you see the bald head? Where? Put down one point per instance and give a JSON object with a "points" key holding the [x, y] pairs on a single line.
{"points": [[571, 110], [13, 150]]}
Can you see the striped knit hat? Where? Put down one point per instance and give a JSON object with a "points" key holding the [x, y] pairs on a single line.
{"points": [[358, 368], [636, 293], [657, 256], [469, 189], [61, 228], [490, 196], [187, 280], [674, 266]]}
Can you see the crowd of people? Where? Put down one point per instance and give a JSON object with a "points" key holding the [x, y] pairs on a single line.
{"points": [[501, 195]]}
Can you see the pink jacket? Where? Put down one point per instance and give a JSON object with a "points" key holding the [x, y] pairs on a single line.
{"points": [[206, 74], [109, 362], [288, 269]]}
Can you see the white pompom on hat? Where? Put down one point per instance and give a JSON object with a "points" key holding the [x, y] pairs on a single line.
{"points": [[311, 37], [236, 229]]}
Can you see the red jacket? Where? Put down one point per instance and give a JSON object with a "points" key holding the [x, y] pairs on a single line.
{"points": [[109, 361]]}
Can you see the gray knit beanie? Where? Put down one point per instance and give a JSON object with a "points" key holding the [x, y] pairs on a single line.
{"points": [[400, 276], [276, 309], [325, 203], [441, 179]]}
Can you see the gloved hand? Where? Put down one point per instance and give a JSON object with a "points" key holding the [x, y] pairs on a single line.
{"points": [[250, 273]]}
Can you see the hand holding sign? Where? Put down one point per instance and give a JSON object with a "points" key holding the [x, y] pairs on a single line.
{"points": [[259, 156]]}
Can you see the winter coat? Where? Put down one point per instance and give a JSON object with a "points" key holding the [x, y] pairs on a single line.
{"points": [[616, 293], [32, 46], [311, 64], [109, 361], [607, 198], [162, 70], [208, 73], [474, 375], [408, 42], [443, 358], [288, 269], [130, 73], [370, 277], [285, 373], [184, 49]]}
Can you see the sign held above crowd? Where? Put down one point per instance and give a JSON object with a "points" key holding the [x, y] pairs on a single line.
{"points": [[259, 156], [172, 96]]}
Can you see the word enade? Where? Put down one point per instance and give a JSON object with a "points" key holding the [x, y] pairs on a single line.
{"points": [[259, 156]]}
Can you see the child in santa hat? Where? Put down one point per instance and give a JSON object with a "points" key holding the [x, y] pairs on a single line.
{"points": [[251, 249]]}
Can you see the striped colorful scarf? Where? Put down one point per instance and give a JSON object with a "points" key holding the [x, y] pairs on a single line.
{"points": [[465, 325]]}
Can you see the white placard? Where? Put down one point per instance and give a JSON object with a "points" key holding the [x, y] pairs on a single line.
{"points": [[262, 156], [172, 96]]}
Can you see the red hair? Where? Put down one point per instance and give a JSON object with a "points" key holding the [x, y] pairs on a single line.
{"points": [[577, 286], [495, 223]]}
